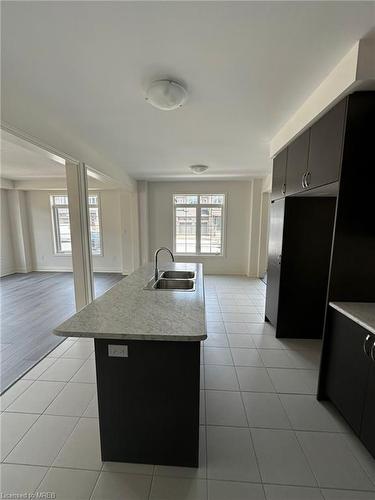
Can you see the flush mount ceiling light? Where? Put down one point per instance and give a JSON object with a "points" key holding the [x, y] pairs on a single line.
{"points": [[166, 95], [198, 169]]}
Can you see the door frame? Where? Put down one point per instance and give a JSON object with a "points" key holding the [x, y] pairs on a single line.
{"points": [[76, 179]]}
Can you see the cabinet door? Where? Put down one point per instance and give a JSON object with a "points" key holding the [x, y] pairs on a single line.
{"points": [[347, 367], [326, 143], [297, 163], [279, 175], [368, 421], [274, 260], [307, 244]]}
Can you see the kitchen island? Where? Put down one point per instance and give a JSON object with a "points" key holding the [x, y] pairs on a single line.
{"points": [[147, 353]]}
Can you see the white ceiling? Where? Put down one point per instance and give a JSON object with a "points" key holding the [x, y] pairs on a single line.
{"points": [[23, 161], [79, 69]]}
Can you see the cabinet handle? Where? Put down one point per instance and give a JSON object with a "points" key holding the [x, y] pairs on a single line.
{"points": [[279, 260], [303, 180], [283, 189], [373, 351], [365, 350], [307, 179]]}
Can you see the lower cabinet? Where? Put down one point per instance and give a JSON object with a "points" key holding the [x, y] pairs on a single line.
{"points": [[368, 421], [349, 378]]}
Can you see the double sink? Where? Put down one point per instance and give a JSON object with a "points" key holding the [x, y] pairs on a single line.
{"points": [[182, 281]]}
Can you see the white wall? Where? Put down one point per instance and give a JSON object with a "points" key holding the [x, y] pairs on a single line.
{"points": [[130, 231], [355, 71], [7, 264], [238, 198], [16, 255], [41, 233], [264, 233], [111, 261], [255, 228], [144, 244]]}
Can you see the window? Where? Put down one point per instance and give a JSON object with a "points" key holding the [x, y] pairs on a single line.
{"points": [[199, 224], [61, 224], [95, 231]]}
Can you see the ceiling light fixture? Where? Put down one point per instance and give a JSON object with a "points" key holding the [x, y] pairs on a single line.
{"points": [[198, 169], [166, 95]]}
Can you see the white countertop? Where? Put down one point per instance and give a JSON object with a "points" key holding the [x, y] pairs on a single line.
{"points": [[362, 313], [128, 312]]}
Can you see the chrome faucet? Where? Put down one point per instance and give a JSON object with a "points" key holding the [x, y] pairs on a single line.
{"points": [[156, 270]]}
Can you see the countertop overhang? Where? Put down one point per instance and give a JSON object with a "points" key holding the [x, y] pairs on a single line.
{"points": [[362, 313], [128, 312]]}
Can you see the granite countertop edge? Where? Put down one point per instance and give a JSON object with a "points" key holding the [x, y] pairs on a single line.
{"points": [[137, 336], [128, 312], [362, 313]]}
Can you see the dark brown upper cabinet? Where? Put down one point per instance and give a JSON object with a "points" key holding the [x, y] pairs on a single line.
{"points": [[279, 175], [325, 151], [297, 163]]}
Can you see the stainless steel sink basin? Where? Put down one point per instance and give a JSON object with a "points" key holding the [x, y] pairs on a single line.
{"points": [[178, 274], [180, 285], [174, 284]]}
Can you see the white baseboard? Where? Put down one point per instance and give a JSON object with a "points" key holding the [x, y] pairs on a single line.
{"points": [[67, 270], [108, 271], [52, 270], [46, 269], [220, 272], [14, 271], [7, 273]]}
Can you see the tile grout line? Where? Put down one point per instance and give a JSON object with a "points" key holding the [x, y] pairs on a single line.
{"points": [[294, 431], [77, 416], [205, 427], [180, 477], [95, 484], [249, 424], [25, 413], [357, 460], [307, 459], [70, 379], [205, 422], [28, 379], [40, 482], [65, 382], [249, 431]]}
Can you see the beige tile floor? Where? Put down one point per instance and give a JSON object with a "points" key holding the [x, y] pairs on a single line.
{"points": [[264, 436]]}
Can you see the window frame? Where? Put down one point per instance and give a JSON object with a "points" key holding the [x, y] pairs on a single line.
{"points": [[98, 204], [198, 206], [56, 226]]}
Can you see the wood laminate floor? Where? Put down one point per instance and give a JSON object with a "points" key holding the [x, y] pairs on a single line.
{"points": [[32, 305]]}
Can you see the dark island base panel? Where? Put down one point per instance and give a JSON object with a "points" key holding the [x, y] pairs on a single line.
{"points": [[149, 402]]}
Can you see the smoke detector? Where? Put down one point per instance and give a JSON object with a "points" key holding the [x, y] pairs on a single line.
{"points": [[166, 95], [198, 169]]}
